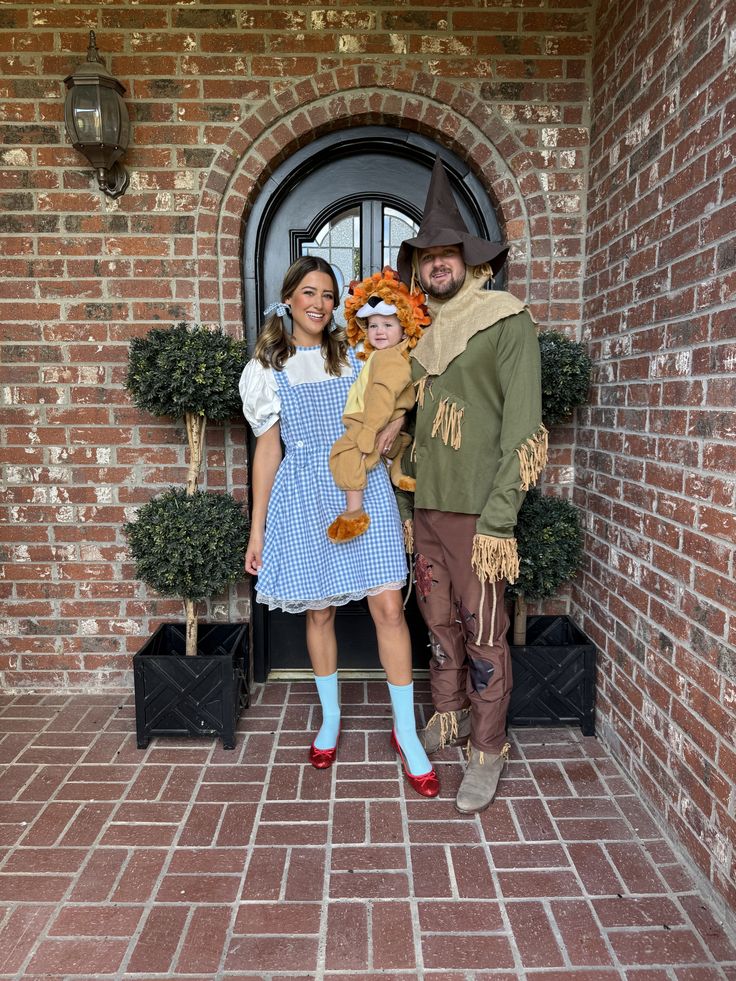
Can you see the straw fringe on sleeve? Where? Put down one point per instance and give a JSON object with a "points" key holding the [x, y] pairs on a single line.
{"points": [[408, 529], [532, 457], [495, 558]]}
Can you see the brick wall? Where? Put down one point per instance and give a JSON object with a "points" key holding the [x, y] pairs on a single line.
{"points": [[656, 455], [218, 94]]}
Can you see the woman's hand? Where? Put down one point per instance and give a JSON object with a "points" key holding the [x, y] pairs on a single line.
{"points": [[254, 555], [266, 462], [385, 439]]}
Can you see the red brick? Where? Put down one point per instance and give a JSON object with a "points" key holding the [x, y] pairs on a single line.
{"points": [[430, 872], [99, 875], [264, 874], [384, 821], [287, 918], [347, 936], [267, 954], [393, 936], [580, 933], [369, 885], [201, 825], [472, 872], [678, 946], [139, 877], [441, 951], [305, 874], [625, 911], [78, 956], [19, 935], [159, 939], [198, 889], [595, 870], [205, 940], [96, 921], [533, 934], [460, 916], [348, 822], [533, 820]]}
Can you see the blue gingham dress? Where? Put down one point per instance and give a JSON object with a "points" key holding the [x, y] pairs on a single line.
{"points": [[302, 569]]}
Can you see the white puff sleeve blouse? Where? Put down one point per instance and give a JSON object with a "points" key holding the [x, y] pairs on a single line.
{"points": [[260, 397]]}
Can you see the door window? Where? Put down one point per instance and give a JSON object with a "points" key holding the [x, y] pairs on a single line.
{"points": [[341, 239], [396, 227], [338, 241]]}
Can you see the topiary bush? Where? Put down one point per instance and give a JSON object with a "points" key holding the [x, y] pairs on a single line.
{"points": [[550, 544], [548, 533], [186, 369], [189, 545], [565, 376], [549, 539]]}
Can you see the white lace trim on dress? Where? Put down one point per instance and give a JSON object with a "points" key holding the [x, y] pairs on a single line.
{"points": [[299, 606]]}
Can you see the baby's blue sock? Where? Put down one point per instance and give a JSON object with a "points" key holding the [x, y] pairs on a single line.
{"points": [[402, 701], [328, 699]]}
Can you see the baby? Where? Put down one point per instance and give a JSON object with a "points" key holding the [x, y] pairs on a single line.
{"points": [[383, 314]]}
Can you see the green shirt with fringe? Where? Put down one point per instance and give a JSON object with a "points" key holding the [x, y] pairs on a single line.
{"points": [[479, 442]]}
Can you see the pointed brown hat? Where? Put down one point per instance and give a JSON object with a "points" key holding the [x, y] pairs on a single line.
{"points": [[442, 224]]}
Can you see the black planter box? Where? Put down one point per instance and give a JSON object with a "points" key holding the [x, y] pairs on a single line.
{"points": [[176, 695], [554, 676]]}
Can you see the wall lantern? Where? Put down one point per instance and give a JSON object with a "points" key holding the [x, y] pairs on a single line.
{"points": [[97, 120]]}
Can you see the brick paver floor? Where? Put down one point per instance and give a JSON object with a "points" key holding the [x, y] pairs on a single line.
{"points": [[187, 861]]}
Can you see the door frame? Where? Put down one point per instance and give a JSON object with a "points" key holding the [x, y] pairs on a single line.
{"points": [[282, 181]]}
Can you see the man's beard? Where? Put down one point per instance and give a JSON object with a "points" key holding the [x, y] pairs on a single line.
{"points": [[447, 290]]}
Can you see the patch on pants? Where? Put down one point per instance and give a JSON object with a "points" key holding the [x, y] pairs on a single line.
{"points": [[466, 619], [423, 576], [481, 673], [438, 655]]}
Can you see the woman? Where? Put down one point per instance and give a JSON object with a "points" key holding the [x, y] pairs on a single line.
{"points": [[294, 391]]}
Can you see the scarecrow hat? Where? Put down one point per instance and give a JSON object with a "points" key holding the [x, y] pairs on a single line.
{"points": [[383, 293], [442, 224]]}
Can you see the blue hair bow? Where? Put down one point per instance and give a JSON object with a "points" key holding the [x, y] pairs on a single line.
{"points": [[279, 308]]}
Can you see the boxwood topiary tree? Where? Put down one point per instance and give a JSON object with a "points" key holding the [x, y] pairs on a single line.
{"points": [[565, 376], [548, 533], [190, 372], [549, 539], [188, 543]]}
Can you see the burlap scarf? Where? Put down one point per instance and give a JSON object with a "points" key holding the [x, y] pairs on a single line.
{"points": [[456, 320]]}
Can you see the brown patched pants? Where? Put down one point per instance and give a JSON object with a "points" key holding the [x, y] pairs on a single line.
{"points": [[470, 663]]}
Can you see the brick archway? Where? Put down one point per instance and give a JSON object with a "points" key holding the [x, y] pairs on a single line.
{"points": [[366, 96]]}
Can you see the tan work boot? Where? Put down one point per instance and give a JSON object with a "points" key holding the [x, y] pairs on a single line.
{"points": [[445, 729], [481, 780]]}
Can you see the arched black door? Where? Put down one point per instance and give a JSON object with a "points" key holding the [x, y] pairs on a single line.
{"points": [[352, 197]]}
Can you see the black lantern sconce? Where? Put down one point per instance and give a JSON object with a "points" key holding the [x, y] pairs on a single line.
{"points": [[97, 120]]}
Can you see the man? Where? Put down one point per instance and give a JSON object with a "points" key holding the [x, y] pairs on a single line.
{"points": [[479, 445]]}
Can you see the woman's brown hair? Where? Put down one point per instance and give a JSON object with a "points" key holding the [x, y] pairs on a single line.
{"points": [[275, 345]]}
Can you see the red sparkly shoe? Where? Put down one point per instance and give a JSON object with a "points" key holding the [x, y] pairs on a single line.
{"points": [[322, 759], [425, 784]]}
